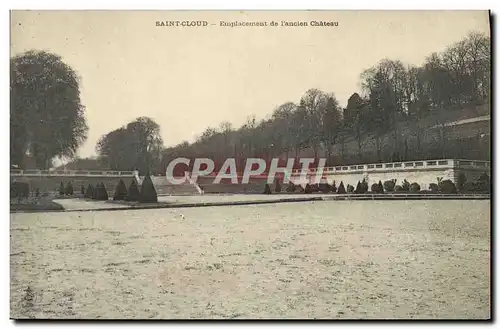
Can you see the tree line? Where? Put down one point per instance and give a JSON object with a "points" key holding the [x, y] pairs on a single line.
{"points": [[388, 120], [394, 97]]}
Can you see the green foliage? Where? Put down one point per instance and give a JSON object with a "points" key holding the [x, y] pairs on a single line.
{"points": [[277, 188], [375, 188], [389, 185], [405, 186], [120, 191], [69, 189], [324, 187], [137, 145], [267, 189], [96, 191], [398, 189], [364, 186], [290, 188], [308, 189], [133, 192], [461, 182], [89, 194], [350, 188], [358, 189], [19, 190], [82, 190], [483, 184], [103, 193], [47, 117], [433, 187], [61, 189], [148, 191], [333, 188], [380, 187], [447, 187], [341, 189], [414, 188]]}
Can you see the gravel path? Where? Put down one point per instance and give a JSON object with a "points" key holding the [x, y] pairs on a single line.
{"points": [[371, 260]]}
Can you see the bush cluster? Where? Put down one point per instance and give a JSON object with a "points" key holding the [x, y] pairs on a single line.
{"points": [[133, 192], [120, 191], [19, 190], [148, 191]]}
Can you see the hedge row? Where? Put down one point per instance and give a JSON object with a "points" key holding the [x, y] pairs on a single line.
{"points": [[147, 194], [482, 185]]}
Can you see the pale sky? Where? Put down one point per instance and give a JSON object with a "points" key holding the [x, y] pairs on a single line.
{"points": [[189, 78]]}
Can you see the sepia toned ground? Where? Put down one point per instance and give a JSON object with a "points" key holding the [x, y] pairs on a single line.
{"points": [[337, 259]]}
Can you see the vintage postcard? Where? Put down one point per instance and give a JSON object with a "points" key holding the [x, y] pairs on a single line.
{"points": [[250, 165]]}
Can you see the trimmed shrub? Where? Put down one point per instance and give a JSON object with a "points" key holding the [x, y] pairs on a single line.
{"points": [[120, 191], [37, 192], [414, 188], [483, 184], [267, 189], [350, 188], [290, 188], [61, 189], [447, 187], [398, 189], [133, 192], [461, 183], [95, 192], [82, 190], [69, 189], [19, 190], [405, 186], [277, 188], [324, 187], [103, 193], [433, 187], [380, 187], [148, 191], [358, 189], [333, 188], [90, 192], [307, 189], [341, 189], [377, 187], [364, 186], [389, 185]]}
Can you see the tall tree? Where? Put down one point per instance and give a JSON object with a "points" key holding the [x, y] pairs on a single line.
{"points": [[47, 117]]}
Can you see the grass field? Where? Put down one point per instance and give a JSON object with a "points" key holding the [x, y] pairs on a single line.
{"points": [[372, 259]]}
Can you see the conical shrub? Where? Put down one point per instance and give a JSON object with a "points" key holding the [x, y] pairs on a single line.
{"points": [[341, 189], [380, 187], [82, 190], [267, 189], [69, 189], [133, 192], [148, 191], [95, 192], [61, 189], [120, 191], [359, 188], [103, 193], [90, 192]]}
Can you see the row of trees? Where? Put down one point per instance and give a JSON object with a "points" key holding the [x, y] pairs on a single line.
{"points": [[137, 145], [396, 107], [394, 110]]}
